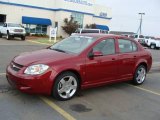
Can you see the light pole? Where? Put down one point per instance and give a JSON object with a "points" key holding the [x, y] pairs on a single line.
{"points": [[140, 26]]}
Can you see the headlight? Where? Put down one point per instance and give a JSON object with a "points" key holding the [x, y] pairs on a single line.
{"points": [[36, 69]]}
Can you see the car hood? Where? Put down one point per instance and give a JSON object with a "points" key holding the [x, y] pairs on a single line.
{"points": [[41, 57], [16, 28]]}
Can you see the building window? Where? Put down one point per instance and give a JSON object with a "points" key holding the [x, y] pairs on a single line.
{"points": [[79, 18], [36, 29]]}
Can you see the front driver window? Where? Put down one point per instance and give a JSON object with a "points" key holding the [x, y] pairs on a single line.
{"points": [[107, 47]]}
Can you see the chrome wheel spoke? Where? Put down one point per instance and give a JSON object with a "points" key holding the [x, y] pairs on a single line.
{"points": [[63, 82], [71, 79], [68, 95], [73, 87], [62, 90]]}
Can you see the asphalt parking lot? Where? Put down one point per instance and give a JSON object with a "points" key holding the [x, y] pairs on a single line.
{"points": [[121, 101]]}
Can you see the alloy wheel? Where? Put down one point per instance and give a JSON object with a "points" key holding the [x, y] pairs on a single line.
{"points": [[67, 87], [141, 75]]}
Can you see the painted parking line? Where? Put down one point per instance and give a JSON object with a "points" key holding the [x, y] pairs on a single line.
{"points": [[66, 115], [38, 42], [146, 90]]}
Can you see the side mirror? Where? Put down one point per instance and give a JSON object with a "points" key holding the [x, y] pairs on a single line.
{"points": [[95, 54]]}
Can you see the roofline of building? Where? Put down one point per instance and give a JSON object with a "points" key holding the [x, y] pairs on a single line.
{"points": [[52, 9]]}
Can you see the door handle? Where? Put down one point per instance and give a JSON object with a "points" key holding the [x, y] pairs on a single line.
{"points": [[113, 59], [134, 56]]}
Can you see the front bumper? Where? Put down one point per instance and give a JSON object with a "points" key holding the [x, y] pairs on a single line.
{"points": [[17, 34], [37, 84]]}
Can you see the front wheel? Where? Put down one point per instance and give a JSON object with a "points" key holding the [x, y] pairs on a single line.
{"points": [[23, 38], [0, 35], [140, 75], [8, 36], [66, 86]]}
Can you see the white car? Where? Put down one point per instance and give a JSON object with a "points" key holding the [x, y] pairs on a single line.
{"points": [[139, 38], [11, 30], [84, 30], [152, 43]]}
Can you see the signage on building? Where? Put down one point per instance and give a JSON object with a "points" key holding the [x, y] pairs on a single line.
{"points": [[102, 14], [83, 2]]}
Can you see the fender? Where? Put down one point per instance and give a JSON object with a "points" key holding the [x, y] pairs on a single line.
{"points": [[140, 62]]}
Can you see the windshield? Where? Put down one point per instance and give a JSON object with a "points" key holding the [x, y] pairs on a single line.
{"points": [[14, 25], [1, 24], [73, 44]]}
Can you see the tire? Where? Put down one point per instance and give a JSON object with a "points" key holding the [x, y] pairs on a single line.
{"points": [[152, 46], [8, 36], [0, 35], [158, 48], [140, 75], [66, 86], [23, 38]]}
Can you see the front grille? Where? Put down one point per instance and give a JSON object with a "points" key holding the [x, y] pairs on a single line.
{"points": [[18, 30], [16, 67]]}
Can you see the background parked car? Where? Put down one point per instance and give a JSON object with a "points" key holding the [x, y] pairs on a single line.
{"points": [[152, 43], [80, 31], [11, 30], [139, 38]]}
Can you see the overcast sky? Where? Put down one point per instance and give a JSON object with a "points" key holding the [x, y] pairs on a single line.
{"points": [[125, 15]]}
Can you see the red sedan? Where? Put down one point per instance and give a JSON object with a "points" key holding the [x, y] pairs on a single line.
{"points": [[78, 62]]}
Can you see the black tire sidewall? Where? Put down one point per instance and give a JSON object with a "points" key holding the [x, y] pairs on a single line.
{"points": [[0, 35], [135, 75], [9, 37], [23, 38], [55, 86]]}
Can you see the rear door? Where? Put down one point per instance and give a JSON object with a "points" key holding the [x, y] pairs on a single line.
{"points": [[127, 58]]}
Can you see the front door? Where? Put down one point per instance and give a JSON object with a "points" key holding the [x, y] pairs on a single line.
{"points": [[102, 68]]}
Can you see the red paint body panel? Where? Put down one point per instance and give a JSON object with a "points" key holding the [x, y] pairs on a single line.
{"points": [[93, 72]]}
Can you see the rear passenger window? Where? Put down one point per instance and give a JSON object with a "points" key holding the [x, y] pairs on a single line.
{"points": [[126, 46], [134, 47]]}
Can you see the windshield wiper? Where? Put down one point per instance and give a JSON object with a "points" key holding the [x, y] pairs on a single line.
{"points": [[59, 50]]}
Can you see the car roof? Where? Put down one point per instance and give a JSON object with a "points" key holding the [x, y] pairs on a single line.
{"points": [[99, 35]]}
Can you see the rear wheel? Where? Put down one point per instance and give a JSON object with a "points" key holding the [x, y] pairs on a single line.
{"points": [[66, 86], [140, 75], [153, 46], [8, 36]]}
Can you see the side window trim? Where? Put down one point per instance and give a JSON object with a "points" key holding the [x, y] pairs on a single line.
{"points": [[135, 45]]}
